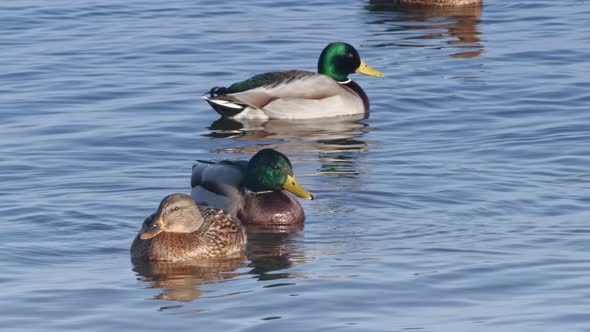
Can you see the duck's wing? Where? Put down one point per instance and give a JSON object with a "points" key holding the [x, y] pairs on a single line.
{"points": [[260, 91], [215, 176], [224, 234], [218, 184]]}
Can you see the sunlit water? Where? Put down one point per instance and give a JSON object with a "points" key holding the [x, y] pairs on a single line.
{"points": [[461, 204]]}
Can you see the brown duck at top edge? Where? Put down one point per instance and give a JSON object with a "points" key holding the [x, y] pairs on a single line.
{"points": [[436, 2]]}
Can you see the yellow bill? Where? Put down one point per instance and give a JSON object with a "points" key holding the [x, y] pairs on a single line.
{"points": [[365, 69], [291, 185], [154, 229]]}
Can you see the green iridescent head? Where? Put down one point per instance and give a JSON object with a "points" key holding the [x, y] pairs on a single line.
{"points": [[270, 170], [338, 60]]}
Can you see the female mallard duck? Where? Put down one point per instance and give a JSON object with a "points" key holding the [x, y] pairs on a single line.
{"points": [[179, 231], [298, 94], [253, 191]]}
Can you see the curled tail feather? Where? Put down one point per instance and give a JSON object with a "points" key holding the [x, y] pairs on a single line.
{"points": [[218, 91]]}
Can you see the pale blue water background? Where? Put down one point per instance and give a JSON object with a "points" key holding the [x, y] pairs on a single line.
{"points": [[461, 204]]}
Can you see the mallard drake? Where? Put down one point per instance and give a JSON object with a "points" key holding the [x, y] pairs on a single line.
{"points": [[298, 94], [254, 191], [180, 230]]}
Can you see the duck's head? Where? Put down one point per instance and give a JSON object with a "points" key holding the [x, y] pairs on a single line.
{"points": [[177, 213], [338, 60], [270, 170]]}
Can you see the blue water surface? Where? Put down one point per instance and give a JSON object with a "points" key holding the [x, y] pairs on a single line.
{"points": [[461, 204]]}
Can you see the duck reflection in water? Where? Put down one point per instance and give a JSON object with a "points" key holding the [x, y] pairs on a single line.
{"points": [[267, 252], [336, 141], [180, 281], [458, 22]]}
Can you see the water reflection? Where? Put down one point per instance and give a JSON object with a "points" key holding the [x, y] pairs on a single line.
{"points": [[454, 27], [268, 251], [271, 251], [335, 141], [180, 281]]}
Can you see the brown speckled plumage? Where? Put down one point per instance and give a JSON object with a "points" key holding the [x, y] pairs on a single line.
{"points": [[219, 236]]}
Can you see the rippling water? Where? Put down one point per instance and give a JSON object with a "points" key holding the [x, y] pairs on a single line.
{"points": [[461, 204]]}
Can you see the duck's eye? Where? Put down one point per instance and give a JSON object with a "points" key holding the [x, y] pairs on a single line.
{"points": [[274, 167], [175, 208], [349, 55]]}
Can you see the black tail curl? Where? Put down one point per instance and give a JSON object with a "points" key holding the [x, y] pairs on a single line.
{"points": [[218, 91]]}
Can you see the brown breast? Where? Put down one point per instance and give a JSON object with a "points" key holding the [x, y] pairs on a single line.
{"points": [[275, 208], [359, 91]]}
